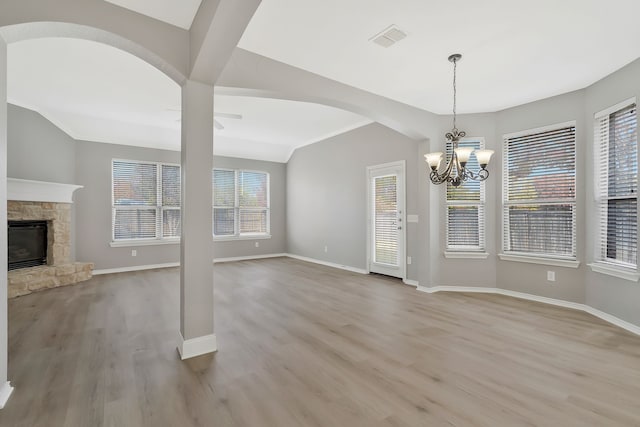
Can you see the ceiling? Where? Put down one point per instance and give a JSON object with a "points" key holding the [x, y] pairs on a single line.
{"points": [[98, 93], [175, 12], [513, 52]]}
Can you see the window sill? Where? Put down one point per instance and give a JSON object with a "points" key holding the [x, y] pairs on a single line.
{"points": [[244, 237], [151, 242], [558, 262], [466, 255], [616, 271]]}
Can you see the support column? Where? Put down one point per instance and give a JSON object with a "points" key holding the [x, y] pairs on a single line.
{"points": [[196, 243], [5, 387]]}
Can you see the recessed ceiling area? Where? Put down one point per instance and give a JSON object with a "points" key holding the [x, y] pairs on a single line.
{"points": [[512, 52], [175, 12], [95, 92]]}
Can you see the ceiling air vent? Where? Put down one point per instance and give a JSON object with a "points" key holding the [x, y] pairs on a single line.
{"points": [[389, 36]]}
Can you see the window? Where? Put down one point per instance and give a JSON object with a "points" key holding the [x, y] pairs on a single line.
{"points": [[240, 203], [465, 208], [539, 211], [616, 162], [146, 200]]}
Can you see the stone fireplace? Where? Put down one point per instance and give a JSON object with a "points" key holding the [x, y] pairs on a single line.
{"points": [[50, 202]]}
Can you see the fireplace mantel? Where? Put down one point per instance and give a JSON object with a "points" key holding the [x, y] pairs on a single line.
{"points": [[40, 191]]}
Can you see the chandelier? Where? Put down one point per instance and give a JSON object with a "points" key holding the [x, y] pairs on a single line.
{"points": [[456, 171]]}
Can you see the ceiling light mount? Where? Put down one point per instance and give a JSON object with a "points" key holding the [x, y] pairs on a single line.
{"points": [[456, 171]]}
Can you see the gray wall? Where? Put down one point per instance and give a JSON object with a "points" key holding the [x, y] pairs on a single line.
{"points": [[618, 297], [39, 150], [93, 207], [327, 191], [532, 278]]}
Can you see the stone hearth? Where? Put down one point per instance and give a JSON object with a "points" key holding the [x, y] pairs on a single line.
{"points": [[60, 270]]}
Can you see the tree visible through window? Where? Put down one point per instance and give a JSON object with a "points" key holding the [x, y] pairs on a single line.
{"points": [[540, 192], [240, 203], [617, 183], [146, 200]]}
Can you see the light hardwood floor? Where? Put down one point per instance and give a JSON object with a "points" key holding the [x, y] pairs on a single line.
{"points": [[306, 345]]}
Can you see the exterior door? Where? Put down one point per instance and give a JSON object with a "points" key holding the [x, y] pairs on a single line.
{"points": [[386, 219]]}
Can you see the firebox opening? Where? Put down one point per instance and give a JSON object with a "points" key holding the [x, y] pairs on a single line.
{"points": [[27, 244]]}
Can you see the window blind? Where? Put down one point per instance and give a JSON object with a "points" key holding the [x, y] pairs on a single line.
{"points": [[253, 202], [616, 159], [385, 211], [170, 201], [465, 207], [539, 198], [135, 199], [146, 200], [240, 202], [224, 202]]}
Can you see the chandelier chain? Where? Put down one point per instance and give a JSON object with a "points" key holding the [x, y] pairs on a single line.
{"points": [[455, 65]]}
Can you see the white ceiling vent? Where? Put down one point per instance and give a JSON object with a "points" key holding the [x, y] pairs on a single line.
{"points": [[389, 36]]}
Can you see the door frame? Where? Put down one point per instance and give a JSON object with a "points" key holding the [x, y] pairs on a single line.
{"points": [[403, 185]]}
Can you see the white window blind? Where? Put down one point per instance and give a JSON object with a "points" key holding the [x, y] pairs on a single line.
{"points": [[224, 202], [146, 200], [539, 216], [616, 158], [465, 207], [386, 213], [240, 203]]}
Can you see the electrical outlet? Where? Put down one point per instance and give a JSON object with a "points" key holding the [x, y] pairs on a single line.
{"points": [[257, 244], [409, 260], [326, 249], [551, 276], [134, 252]]}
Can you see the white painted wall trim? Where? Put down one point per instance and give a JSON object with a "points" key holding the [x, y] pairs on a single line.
{"points": [[135, 268], [466, 255], [5, 393], [615, 271], [561, 303], [410, 282], [197, 346], [329, 264], [27, 190], [177, 264], [557, 262], [249, 257]]}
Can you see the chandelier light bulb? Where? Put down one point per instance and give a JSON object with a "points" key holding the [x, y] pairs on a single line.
{"points": [[483, 156], [463, 154], [433, 159]]}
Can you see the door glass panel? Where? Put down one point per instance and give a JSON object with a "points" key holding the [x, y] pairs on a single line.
{"points": [[385, 220]]}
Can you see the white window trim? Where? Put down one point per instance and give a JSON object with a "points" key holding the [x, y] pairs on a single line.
{"points": [[236, 211], [600, 265], [468, 251], [543, 260], [571, 262], [615, 270], [466, 254], [159, 239], [144, 242]]}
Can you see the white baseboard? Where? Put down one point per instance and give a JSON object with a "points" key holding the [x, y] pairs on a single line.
{"points": [[135, 268], [329, 264], [246, 258], [410, 282], [5, 393], [177, 264], [561, 303], [197, 346]]}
